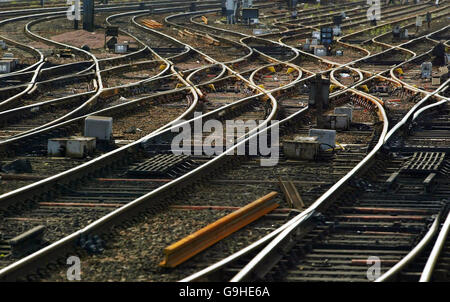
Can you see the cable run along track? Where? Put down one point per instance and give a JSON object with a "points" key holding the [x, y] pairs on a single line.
{"points": [[252, 83]]}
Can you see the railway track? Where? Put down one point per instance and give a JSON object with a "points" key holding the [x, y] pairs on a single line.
{"points": [[366, 217], [125, 181], [284, 263]]}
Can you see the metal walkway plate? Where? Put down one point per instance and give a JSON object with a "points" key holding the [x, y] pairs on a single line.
{"points": [[424, 162]]}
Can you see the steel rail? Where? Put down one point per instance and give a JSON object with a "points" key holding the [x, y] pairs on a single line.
{"points": [[28, 47], [296, 222], [427, 239], [116, 6], [411, 112], [113, 88], [255, 134], [261, 69], [261, 242], [100, 89], [213, 61], [205, 69], [124, 209], [212, 162]]}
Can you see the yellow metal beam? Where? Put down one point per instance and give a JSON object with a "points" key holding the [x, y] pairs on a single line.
{"points": [[193, 244]]}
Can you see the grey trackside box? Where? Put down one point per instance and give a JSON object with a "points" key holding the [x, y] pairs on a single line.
{"points": [[6, 66], [305, 148], [337, 121], [99, 127], [327, 138], [121, 48], [344, 110]]}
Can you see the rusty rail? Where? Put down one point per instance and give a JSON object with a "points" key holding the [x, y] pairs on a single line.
{"points": [[193, 244]]}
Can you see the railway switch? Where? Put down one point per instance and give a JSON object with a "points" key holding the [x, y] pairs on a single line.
{"points": [[6, 66], [326, 137], [113, 32], [161, 165], [304, 148], [326, 36]]}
